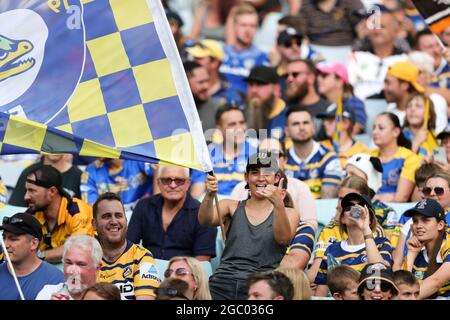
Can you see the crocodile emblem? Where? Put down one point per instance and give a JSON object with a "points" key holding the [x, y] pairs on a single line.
{"points": [[11, 52]]}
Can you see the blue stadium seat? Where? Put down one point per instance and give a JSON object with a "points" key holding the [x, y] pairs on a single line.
{"points": [[373, 108]]}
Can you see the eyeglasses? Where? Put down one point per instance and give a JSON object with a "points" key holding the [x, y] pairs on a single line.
{"points": [[439, 191], [294, 74], [384, 285], [171, 292], [178, 272], [168, 181], [289, 44], [9, 220]]}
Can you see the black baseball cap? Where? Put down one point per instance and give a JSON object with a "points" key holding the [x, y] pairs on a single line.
{"points": [[285, 36], [331, 113], [428, 208], [377, 271], [22, 223], [263, 74], [48, 176], [361, 198], [262, 160]]}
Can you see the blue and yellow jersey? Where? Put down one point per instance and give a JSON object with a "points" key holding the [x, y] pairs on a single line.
{"points": [[441, 77], [388, 220], [403, 165], [421, 263], [357, 147], [320, 168], [331, 234], [277, 120], [352, 256], [74, 217], [303, 239], [426, 148], [229, 172], [134, 273], [132, 181]]}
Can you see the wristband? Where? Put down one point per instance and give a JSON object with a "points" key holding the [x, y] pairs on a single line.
{"points": [[368, 236]]}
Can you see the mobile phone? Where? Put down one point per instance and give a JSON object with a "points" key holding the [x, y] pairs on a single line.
{"points": [[440, 154]]}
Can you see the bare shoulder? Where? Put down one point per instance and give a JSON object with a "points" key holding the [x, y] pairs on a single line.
{"points": [[228, 206]]}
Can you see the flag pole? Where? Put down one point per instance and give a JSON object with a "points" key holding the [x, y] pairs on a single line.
{"points": [[13, 273], [216, 200]]}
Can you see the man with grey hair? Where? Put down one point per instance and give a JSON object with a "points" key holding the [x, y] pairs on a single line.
{"points": [[82, 259], [167, 223]]}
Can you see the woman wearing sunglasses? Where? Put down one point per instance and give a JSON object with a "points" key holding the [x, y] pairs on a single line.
{"points": [[377, 283], [359, 222], [191, 271]]}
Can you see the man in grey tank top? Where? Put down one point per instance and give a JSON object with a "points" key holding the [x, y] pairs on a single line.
{"points": [[257, 230]]}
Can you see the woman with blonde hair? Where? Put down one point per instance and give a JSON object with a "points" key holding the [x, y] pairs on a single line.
{"points": [[302, 289], [190, 270]]}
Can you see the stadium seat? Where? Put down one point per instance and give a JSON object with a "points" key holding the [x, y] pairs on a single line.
{"points": [[373, 108]]}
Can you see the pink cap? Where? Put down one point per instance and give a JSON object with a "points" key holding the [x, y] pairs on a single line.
{"points": [[336, 68]]}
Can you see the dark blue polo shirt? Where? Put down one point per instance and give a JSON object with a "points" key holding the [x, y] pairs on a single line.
{"points": [[184, 236]]}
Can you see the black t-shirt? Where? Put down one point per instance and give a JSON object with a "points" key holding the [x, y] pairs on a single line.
{"points": [[71, 180]]}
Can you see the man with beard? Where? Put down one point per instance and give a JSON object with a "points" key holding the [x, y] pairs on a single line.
{"points": [[199, 83], [60, 215], [301, 78], [308, 160], [127, 265], [264, 107]]}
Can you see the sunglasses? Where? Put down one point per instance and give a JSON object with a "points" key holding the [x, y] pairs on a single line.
{"points": [[289, 44], [358, 203], [294, 74], [178, 272], [384, 286], [439, 191], [168, 181], [170, 292]]}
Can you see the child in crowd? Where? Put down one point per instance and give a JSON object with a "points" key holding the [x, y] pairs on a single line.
{"points": [[343, 283], [408, 286]]}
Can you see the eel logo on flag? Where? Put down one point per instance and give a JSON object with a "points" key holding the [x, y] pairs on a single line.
{"points": [[39, 55]]}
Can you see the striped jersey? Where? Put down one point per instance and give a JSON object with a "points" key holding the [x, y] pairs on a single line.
{"points": [[441, 77], [134, 273], [321, 167], [303, 239], [354, 256]]}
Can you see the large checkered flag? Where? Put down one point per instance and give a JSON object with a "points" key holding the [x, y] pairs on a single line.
{"points": [[96, 78]]}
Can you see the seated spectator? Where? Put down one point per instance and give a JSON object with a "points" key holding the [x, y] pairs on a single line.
{"points": [[270, 285], [70, 174], [21, 235], [419, 109], [399, 163], [167, 223], [308, 160], [340, 136], [444, 138], [102, 291], [59, 214], [82, 260], [428, 249], [377, 283], [334, 86], [190, 270], [361, 247], [343, 283], [132, 180], [127, 265], [299, 192], [262, 220], [302, 290], [407, 284], [173, 289]]}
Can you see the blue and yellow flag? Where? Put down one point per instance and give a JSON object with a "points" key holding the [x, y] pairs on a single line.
{"points": [[339, 112], [96, 78]]}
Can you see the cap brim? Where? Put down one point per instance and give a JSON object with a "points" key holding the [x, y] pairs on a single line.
{"points": [[12, 229], [411, 212], [347, 201], [378, 278], [418, 87], [198, 52]]}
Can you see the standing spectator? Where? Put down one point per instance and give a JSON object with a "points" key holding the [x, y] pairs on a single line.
{"points": [[60, 215], [190, 270], [167, 223], [407, 284], [132, 180], [429, 248], [125, 264], [241, 55], [199, 82], [229, 155], [330, 24], [70, 174], [22, 234], [308, 160], [399, 163], [82, 260], [361, 247], [258, 229], [343, 283], [270, 285], [377, 283]]}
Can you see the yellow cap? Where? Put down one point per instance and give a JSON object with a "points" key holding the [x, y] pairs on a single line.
{"points": [[408, 72], [207, 48]]}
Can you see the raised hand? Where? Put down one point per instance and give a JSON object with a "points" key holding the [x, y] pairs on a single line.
{"points": [[273, 193], [212, 184], [414, 245]]}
